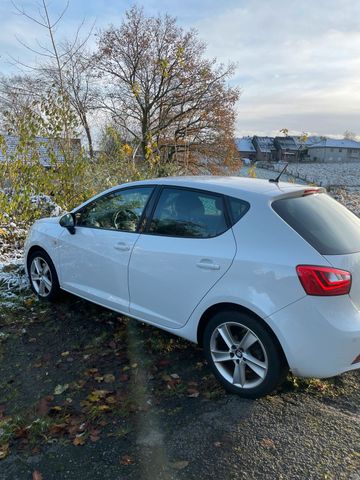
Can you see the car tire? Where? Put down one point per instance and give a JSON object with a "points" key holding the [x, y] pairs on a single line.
{"points": [[243, 354], [43, 278]]}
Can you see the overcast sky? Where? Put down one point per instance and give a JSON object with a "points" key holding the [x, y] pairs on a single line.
{"points": [[298, 61]]}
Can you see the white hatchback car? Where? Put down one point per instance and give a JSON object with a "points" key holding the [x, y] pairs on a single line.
{"points": [[266, 276]]}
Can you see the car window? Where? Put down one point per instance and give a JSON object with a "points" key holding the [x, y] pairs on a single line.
{"points": [[120, 210], [188, 213], [328, 226], [238, 208]]}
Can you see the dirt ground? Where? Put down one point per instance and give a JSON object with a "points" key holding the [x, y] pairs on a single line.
{"points": [[86, 394]]}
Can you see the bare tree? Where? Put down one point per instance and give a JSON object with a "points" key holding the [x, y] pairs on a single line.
{"points": [[79, 83], [162, 91], [349, 135], [64, 66], [19, 94]]}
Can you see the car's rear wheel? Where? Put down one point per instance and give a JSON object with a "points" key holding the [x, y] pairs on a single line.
{"points": [[244, 356], [43, 277]]}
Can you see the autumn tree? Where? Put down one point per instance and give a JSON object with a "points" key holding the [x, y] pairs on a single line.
{"points": [[172, 102]]}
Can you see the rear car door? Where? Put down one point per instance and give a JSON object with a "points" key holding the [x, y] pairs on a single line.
{"points": [[187, 247], [94, 261]]}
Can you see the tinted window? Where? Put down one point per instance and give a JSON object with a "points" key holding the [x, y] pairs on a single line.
{"points": [[188, 213], [238, 208], [119, 210], [328, 226]]}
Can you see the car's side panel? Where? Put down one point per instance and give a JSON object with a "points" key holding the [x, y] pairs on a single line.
{"points": [[94, 264], [263, 275], [168, 276], [45, 234]]}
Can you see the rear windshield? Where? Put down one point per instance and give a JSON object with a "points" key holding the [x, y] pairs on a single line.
{"points": [[323, 222]]}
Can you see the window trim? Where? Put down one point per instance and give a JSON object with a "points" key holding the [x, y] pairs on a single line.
{"points": [[116, 190], [228, 219]]}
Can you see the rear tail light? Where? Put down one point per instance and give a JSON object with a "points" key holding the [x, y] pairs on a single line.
{"points": [[324, 281]]}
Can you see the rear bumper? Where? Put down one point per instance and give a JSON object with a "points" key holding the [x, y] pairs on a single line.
{"points": [[320, 336]]}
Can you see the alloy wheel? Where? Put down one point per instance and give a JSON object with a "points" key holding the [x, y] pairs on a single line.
{"points": [[41, 277], [239, 355]]}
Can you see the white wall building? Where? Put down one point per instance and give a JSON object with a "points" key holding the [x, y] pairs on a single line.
{"points": [[333, 150]]}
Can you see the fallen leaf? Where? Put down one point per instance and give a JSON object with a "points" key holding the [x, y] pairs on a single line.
{"points": [[126, 460], [65, 354], [37, 475], [57, 428], [4, 450], [112, 400], [217, 444], [59, 389], [109, 378], [104, 408], [174, 375], [134, 365], [79, 440], [99, 379], [55, 409], [96, 395], [180, 465], [267, 443], [21, 432]]}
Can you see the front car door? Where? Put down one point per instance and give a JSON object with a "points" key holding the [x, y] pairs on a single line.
{"points": [[186, 248], [94, 261]]}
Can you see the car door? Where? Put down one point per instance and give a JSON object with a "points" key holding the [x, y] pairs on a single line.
{"points": [[186, 248], [94, 261]]}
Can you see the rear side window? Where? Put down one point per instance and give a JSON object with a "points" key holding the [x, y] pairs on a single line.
{"points": [[323, 222], [237, 208], [188, 213]]}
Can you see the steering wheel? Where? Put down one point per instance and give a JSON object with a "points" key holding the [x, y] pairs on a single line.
{"points": [[124, 216]]}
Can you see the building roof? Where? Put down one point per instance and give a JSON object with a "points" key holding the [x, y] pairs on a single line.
{"points": [[265, 144], [245, 144], [286, 143], [334, 143], [43, 144]]}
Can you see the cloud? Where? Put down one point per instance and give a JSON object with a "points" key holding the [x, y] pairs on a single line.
{"points": [[297, 61]]}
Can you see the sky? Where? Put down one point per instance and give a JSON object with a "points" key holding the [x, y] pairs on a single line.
{"points": [[298, 62]]}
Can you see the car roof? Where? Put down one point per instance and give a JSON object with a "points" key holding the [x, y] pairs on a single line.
{"points": [[233, 186]]}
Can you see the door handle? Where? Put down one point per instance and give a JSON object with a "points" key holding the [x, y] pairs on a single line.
{"points": [[122, 247], [207, 264]]}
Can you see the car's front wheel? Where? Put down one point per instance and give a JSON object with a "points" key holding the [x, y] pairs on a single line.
{"points": [[43, 277], [243, 354]]}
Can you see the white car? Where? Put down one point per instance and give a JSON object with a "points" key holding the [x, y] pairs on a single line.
{"points": [[264, 275]]}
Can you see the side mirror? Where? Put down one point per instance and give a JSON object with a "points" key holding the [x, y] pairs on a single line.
{"points": [[68, 221]]}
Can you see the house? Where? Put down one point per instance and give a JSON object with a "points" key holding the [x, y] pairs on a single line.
{"points": [[46, 148], [246, 149], [265, 148], [287, 149], [334, 150]]}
